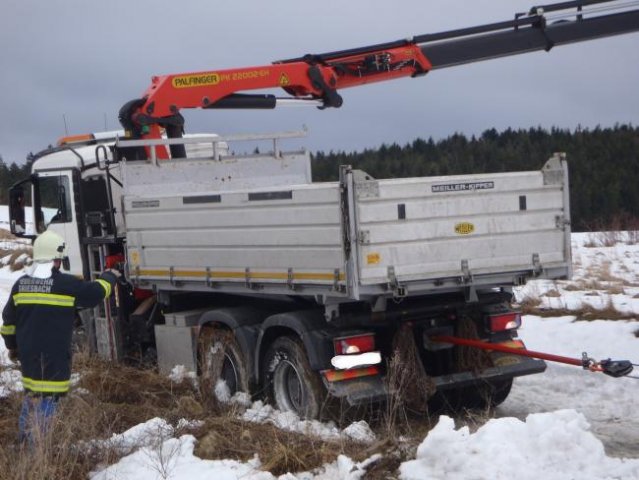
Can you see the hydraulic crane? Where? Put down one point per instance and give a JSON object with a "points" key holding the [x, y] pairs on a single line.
{"points": [[316, 79]]}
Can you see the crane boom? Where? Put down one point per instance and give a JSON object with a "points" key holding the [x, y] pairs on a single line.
{"points": [[319, 77]]}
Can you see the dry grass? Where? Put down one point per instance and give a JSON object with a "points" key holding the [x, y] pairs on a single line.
{"points": [[586, 313], [529, 305], [621, 228], [117, 399], [14, 262], [280, 451], [12, 252], [57, 455], [6, 235], [113, 398], [552, 294]]}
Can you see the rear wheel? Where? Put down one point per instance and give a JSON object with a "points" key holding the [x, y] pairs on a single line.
{"points": [[482, 396], [496, 393], [290, 383], [221, 359]]}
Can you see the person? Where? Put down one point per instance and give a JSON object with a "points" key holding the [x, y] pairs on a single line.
{"points": [[38, 326]]}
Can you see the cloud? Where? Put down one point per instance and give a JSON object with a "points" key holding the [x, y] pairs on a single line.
{"points": [[85, 59]]}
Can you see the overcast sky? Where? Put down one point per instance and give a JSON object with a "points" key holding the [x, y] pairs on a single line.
{"points": [[83, 59]]}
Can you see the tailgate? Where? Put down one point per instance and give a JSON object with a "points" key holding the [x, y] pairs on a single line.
{"points": [[460, 226]]}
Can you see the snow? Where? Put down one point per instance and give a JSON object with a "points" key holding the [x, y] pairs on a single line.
{"points": [[564, 424], [552, 446], [263, 413], [142, 435], [173, 458], [180, 372]]}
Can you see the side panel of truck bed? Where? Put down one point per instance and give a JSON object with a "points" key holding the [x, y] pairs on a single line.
{"points": [[270, 235], [424, 228]]}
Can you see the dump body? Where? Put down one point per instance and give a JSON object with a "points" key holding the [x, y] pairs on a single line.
{"points": [[355, 239]]}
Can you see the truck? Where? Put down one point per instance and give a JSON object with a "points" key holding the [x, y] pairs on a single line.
{"points": [[242, 269]]}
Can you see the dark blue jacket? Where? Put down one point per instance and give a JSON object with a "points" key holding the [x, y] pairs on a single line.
{"points": [[38, 321]]}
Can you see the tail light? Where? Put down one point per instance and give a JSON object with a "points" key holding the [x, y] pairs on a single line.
{"points": [[503, 321], [354, 344]]}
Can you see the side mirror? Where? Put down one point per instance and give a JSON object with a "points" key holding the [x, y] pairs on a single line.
{"points": [[102, 161], [17, 202]]}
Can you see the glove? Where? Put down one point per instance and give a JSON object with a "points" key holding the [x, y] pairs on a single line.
{"points": [[116, 273], [13, 356]]}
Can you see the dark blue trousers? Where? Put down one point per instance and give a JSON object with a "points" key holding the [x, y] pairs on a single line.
{"points": [[36, 417]]}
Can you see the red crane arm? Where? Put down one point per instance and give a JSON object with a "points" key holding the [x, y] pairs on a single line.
{"points": [[301, 79]]}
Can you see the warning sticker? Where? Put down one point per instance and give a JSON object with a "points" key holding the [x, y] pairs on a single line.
{"points": [[197, 80], [373, 258], [134, 257], [464, 228], [284, 80]]}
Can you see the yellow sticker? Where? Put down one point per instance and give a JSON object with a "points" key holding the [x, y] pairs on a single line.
{"points": [[464, 228], [284, 80], [247, 75], [506, 361], [373, 258], [197, 80], [135, 258]]}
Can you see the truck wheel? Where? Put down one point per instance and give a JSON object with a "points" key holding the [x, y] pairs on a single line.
{"points": [[289, 382], [221, 358], [471, 397], [500, 392], [485, 396]]}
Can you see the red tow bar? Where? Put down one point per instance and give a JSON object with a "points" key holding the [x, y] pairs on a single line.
{"points": [[614, 368]]}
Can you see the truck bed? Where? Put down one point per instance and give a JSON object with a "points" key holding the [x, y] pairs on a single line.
{"points": [[353, 239]]}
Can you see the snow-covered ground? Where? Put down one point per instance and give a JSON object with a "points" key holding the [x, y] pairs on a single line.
{"points": [[563, 424]]}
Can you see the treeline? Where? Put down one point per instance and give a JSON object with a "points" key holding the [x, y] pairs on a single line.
{"points": [[10, 174], [603, 164]]}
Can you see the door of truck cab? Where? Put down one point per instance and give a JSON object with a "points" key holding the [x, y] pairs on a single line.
{"points": [[57, 212], [53, 208]]}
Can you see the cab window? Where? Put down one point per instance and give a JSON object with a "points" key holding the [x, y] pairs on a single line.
{"points": [[55, 201]]}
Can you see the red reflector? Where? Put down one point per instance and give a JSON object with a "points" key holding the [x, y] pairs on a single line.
{"points": [[355, 344], [504, 321], [339, 375]]}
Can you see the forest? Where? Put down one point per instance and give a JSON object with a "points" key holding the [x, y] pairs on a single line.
{"points": [[603, 163]]}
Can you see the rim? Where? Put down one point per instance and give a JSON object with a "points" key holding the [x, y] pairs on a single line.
{"points": [[229, 373], [288, 388]]}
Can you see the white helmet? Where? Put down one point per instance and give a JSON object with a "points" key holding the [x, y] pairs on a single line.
{"points": [[47, 247]]}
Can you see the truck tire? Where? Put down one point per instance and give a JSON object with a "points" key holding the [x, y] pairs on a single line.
{"points": [[484, 396], [221, 358], [288, 380], [498, 392]]}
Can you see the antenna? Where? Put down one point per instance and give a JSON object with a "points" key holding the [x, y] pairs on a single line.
{"points": [[105, 122], [66, 128]]}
